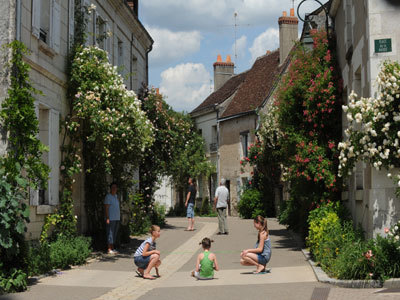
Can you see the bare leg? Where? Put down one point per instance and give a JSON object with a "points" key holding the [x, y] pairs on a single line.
{"points": [[189, 224], [192, 224], [154, 258], [251, 259], [156, 267]]}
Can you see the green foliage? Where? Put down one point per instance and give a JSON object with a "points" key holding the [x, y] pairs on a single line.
{"points": [[139, 222], [20, 168], [250, 205], [38, 258], [307, 110], [12, 280], [158, 215], [177, 151], [66, 251]]}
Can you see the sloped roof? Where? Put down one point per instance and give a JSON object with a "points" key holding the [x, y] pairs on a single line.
{"points": [[259, 82], [223, 93]]}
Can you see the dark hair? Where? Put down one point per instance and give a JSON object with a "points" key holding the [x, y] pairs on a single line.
{"points": [[263, 221], [206, 243], [112, 183]]}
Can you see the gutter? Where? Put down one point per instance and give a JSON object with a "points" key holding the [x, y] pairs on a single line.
{"points": [[147, 63], [18, 21], [237, 116]]}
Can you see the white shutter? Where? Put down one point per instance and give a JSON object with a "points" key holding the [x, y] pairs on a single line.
{"points": [[34, 194], [86, 3], [56, 26], [54, 156], [33, 197], [36, 18], [95, 32], [71, 20], [108, 43]]}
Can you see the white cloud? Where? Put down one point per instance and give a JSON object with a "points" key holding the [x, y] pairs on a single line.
{"points": [[185, 85], [268, 40], [241, 47], [169, 46], [211, 15]]}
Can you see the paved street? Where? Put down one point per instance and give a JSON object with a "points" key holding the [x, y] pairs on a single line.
{"points": [[291, 276]]}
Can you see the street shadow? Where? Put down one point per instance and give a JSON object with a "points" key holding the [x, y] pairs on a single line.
{"points": [[286, 241]]}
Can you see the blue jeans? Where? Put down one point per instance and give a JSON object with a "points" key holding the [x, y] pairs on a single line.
{"points": [[190, 211], [262, 260], [112, 230], [142, 261]]}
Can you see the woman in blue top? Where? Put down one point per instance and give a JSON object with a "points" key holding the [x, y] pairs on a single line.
{"points": [[261, 254]]}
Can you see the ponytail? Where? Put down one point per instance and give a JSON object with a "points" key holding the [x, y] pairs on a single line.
{"points": [[263, 221]]}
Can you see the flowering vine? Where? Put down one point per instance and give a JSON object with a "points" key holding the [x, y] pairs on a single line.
{"points": [[373, 132]]}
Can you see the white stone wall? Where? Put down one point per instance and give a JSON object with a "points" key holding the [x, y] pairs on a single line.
{"points": [[371, 195], [48, 66]]}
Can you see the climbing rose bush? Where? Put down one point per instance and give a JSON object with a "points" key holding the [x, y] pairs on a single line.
{"points": [[115, 120], [373, 131]]}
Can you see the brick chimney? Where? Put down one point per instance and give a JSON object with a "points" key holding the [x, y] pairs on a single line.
{"points": [[134, 5], [223, 70], [288, 34]]}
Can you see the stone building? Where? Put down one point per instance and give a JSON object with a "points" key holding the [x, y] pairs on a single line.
{"points": [[229, 117], [360, 26], [46, 27]]}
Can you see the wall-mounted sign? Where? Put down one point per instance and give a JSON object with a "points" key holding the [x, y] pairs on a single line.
{"points": [[383, 45]]}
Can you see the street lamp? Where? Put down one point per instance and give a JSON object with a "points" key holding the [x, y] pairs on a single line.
{"points": [[326, 15]]}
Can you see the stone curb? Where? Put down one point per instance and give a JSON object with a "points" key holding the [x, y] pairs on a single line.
{"points": [[324, 278]]}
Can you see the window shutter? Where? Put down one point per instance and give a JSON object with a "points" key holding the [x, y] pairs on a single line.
{"points": [[56, 26], [108, 43], [86, 3], [95, 32], [54, 156], [33, 197], [71, 20], [36, 18], [34, 194]]}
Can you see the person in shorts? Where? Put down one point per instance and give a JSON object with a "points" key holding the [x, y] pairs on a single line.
{"points": [[189, 204]]}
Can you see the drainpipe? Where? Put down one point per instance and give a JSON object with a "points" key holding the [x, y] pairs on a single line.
{"points": [[147, 64], [218, 164], [18, 21], [130, 70]]}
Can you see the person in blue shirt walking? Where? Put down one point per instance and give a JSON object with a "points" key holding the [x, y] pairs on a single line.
{"points": [[112, 212]]}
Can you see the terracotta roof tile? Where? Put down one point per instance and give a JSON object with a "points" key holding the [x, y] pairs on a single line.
{"points": [[223, 93], [259, 82]]}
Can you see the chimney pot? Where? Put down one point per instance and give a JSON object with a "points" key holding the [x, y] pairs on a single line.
{"points": [[228, 58], [219, 59], [284, 13], [292, 12]]}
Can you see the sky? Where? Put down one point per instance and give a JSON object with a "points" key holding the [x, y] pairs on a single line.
{"points": [[189, 34]]}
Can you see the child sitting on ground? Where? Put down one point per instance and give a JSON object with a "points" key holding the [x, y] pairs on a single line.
{"points": [[206, 262], [146, 256]]}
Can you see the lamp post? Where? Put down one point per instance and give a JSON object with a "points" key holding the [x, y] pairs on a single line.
{"points": [[326, 15]]}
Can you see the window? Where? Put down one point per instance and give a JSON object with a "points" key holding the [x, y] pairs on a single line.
{"points": [[49, 135], [120, 56], [101, 34], [46, 22], [244, 141], [134, 75]]}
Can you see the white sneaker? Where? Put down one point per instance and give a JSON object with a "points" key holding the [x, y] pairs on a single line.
{"points": [[112, 252]]}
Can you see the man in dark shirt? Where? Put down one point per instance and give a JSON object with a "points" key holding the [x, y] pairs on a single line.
{"points": [[190, 198]]}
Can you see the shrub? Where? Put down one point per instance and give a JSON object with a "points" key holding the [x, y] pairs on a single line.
{"points": [[250, 205], [387, 257], [158, 215], [12, 280], [39, 259], [139, 221], [65, 252], [351, 262]]}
